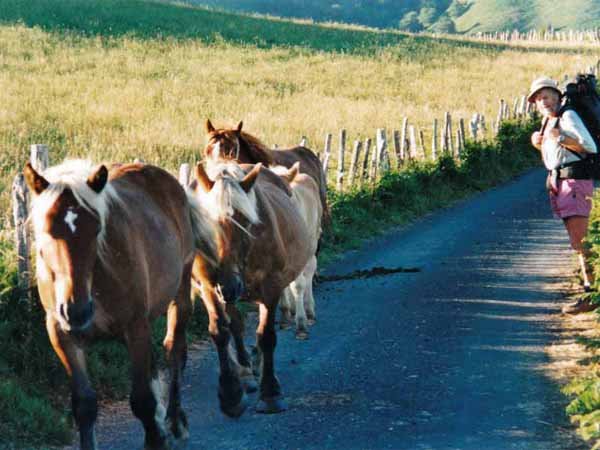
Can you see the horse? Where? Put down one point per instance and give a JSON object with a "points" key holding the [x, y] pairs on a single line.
{"points": [[298, 297], [237, 145], [114, 250], [264, 243]]}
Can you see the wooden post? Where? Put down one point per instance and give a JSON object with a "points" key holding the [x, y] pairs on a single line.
{"points": [[434, 141], [404, 139], [303, 141], [22, 241], [374, 166], [444, 133], [461, 129], [382, 157], [500, 113], [39, 158], [474, 125], [413, 142], [515, 110], [365, 167], [397, 149], [326, 154], [342, 151], [482, 124], [353, 163], [449, 134], [138, 161], [184, 174], [421, 144]]}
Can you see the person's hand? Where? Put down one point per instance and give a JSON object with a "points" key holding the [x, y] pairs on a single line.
{"points": [[536, 139]]}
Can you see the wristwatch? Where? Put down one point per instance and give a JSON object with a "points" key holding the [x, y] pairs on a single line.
{"points": [[561, 138]]}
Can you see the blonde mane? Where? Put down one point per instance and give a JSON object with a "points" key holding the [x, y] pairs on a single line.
{"points": [[226, 197], [73, 174]]}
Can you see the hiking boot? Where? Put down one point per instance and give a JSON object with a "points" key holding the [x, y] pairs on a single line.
{"points": [[580, 306]]}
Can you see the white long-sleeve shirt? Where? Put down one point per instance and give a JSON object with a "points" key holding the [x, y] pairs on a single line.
{"points": [[571, 125]]}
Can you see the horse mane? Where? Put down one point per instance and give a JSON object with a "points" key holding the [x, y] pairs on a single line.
{"points": [[72, 174], [259, 152], [226, 196]]}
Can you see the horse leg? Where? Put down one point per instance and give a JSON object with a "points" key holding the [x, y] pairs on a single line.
{"points": [[243, 358], [309, 299], [271, 399], [298, 287], [232, 397], [83, 397], [285, 307], [175, 346], [145, 397]]}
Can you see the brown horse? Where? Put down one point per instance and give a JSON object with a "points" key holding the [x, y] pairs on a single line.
{"points": [[235, 144], [264, 242], [114, 250]]}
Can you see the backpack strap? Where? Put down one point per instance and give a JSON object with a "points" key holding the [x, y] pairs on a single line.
{"points": [[562, 110]]}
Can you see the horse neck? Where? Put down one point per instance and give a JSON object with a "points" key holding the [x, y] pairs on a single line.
{"points": [[251, 153]]}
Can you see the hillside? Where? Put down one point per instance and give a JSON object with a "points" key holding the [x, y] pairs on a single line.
{"points": [[449, 16]]}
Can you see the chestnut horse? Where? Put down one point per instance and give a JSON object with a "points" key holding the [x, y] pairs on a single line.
{"points": [[235, 144], [264, 243], [114, 250], [298, 297]]}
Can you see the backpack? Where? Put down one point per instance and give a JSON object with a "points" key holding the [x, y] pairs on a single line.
{"points": [[581, 96]]}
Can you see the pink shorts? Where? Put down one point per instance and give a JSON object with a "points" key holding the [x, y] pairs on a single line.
{"points": [[574, 198]]}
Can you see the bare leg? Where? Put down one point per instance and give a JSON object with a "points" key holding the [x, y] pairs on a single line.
{"points": [[83, 397], [577, 227], [271, 399]]}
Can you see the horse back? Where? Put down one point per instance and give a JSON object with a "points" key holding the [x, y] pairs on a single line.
{"points": [[310, 165], [151, 241]]}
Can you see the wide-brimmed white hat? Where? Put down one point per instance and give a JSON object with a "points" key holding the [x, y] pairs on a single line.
{"points": [[541, 83]]}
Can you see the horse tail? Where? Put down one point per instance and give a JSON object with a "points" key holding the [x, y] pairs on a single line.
{"points": [[204, 228]]}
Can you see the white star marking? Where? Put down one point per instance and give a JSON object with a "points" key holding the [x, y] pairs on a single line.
{"points": [[70, 220]]}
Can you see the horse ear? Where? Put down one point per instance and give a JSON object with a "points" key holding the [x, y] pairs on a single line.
{"points": [[209, 126], [35, 182], [239, 127], [249, 180], [203, 180], [98, 179]]}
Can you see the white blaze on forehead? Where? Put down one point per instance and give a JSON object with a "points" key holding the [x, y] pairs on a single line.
{"points": [[216, 150], [70, 220]]}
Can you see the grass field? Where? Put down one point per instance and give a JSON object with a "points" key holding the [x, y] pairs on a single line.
{"points": [[120, 79]]}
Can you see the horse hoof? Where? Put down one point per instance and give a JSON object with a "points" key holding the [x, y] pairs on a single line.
{"points": [[236, 410], [284, 325], [271, 405], [249, 384], [301, 335], [311, 321]]}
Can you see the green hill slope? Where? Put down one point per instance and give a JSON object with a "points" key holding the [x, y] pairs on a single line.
{"points": [[461, 16]]}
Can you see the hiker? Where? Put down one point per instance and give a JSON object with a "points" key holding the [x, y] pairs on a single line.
{"points": [[564, 141]]}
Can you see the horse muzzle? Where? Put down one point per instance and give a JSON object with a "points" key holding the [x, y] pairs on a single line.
{"points": [[76, 317]]}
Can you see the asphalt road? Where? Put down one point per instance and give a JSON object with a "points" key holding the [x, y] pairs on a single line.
{"points": [[451, 357]]}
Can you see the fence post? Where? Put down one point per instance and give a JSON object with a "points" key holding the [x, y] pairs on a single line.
{"points": [[22, 241], [353, 163], [303, 141], [326, 154], [382, 157], [461, 129], [397, 149], [434, 143], [365, 167], [473, 125], [184, 174], [413, 142], [39, 157], [404, 139], [374, 166], [421, 143], [342, 151], [449, 134]]}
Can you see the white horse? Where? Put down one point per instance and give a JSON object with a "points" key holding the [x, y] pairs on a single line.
{"points": [[297, 298]]}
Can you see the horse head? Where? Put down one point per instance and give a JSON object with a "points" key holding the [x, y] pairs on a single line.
{"points": [[229, 199], [232, 144], [66, 228]]}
